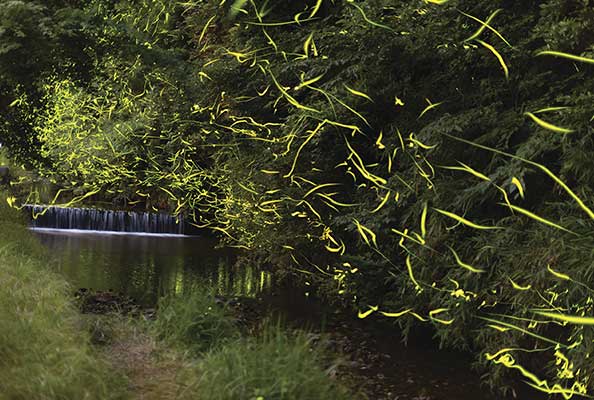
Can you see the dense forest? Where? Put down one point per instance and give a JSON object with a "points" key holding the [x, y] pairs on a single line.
{"points": [[420, 162]]}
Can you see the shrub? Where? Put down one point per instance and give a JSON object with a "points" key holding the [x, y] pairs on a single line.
{"points": [[274, 366], [194, 321]]}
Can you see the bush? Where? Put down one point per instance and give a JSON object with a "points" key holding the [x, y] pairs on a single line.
{"points": [[274, 366], [194, 321]]}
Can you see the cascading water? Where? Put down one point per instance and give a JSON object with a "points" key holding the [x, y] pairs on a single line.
{"points": [[103, 220]]}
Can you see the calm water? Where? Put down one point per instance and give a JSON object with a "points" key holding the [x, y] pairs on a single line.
{"points": [[146, 267]]}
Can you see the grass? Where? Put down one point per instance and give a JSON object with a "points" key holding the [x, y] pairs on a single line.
{"points": [[43, 352], [194, 321], [272, 366]]}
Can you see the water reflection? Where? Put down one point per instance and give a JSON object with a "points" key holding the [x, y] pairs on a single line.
{"points": [[147, 267]]}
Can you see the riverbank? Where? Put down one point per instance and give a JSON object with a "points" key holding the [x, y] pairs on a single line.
{"points": [[199, 346], [44, 354], [194, 349]]}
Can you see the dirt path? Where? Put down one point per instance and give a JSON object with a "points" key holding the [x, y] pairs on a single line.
{"points": [[151, 375]]}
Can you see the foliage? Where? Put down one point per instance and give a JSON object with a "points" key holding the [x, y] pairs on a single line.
{"points": [[194, 321], [273, 366], [416, 161]]}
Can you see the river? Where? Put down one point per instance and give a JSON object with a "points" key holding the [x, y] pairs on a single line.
{"points": [[146, 267]]}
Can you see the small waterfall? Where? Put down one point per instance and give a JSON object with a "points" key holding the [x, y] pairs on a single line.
{"points": [[103, 220]]}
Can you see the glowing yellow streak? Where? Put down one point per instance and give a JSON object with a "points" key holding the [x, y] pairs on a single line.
{"points": [[202, 74], [566, 188], [11, 201], [361, 167], [357, 93], [224, 230], [236, 8], [547, 125], [557, 388], [295, 21], [311, 208], [542, 167], [289, 98], [499, 57], [84, 196], [429, 107], [363, 230], [542, 385], [419, 238], [499, 328], [267, 202], [354, 128], [411, 275], [558, 274], [262, 93], [537, 218], [518, 287], [395, 314], [383, 202], [311, 135], [405, 235], [340, 249], [240, 57], [308, 82], [465, 221], [319, 187], [438, 2], [420, 144], [315, 9], [417, 316], [330, 96], [463, 264], [296, 17], [400, 138], [441, 321], [549, 109], [247, 189], [485, 25], [203, 32], [378, 142], [527, 332], [566, 55], [368, 312], [351, 2], [270, 40], [516, 182], [468, 169], [572, 319], [306, 45]]}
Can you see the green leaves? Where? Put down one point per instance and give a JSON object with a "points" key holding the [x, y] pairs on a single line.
{"points": [[284, 123]]}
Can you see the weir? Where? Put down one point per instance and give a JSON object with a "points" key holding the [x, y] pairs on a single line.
{"points": [[92, 219]]}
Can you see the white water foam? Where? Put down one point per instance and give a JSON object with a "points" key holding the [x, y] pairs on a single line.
{"points": [[93, 232]]}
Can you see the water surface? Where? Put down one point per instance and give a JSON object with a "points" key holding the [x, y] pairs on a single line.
{"points": [[146, 266]]}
